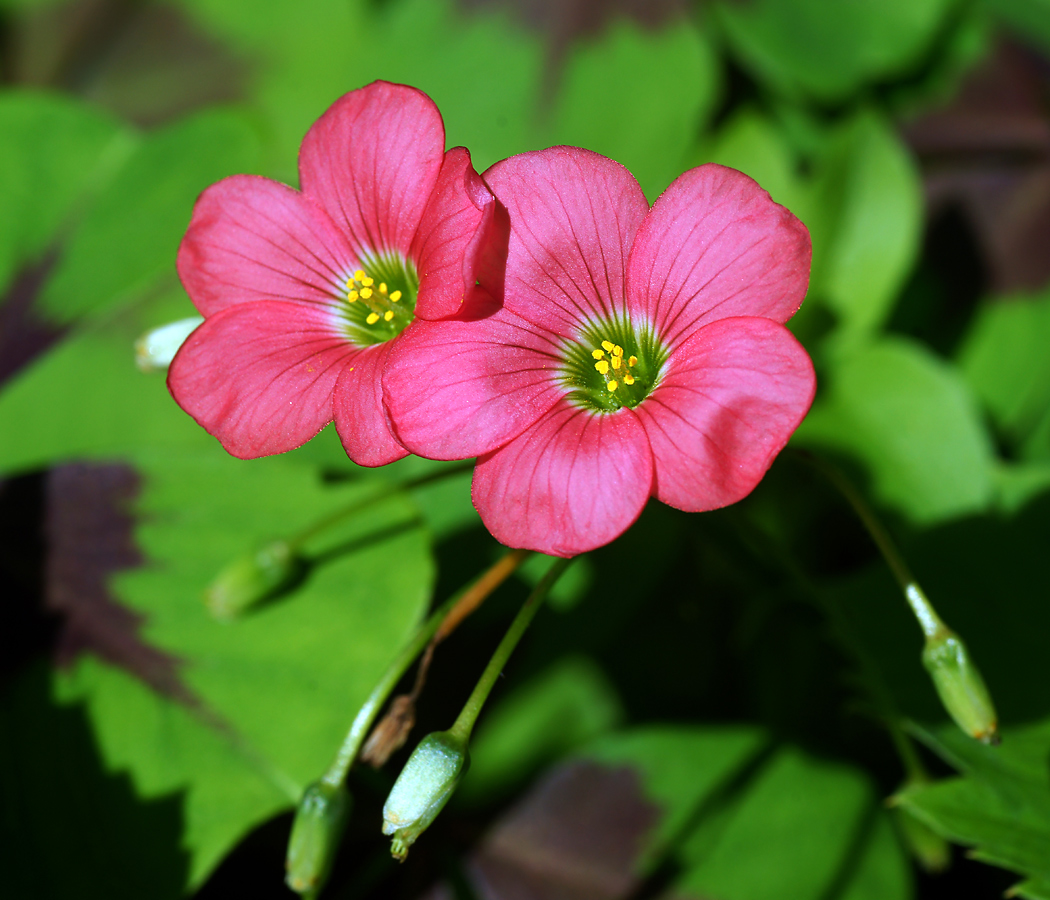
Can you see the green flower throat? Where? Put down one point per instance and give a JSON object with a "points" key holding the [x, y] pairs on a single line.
{"points": [[610, 366]]}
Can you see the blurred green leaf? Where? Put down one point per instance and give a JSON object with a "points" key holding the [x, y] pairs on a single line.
{"points": [[277, 688], [54, 153], [908, 417], [1005, 363], [1030, 19], [866, 216], [828, 49], [883, 870], [612, 99], [131, 234], [560, 708]]}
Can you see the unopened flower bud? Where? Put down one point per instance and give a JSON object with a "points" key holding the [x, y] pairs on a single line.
{"points": [[316, 831], [960, 685], [251, 578], [932, 852], [155, 350], [423, 788]]}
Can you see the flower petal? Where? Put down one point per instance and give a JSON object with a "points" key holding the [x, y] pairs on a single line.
{"points": [[251, 239], [458, 389], [371, 162], [574, 481], [456, 235], [714, 246], [573, 217], [260, 376], [734, 393], [360, 417]]}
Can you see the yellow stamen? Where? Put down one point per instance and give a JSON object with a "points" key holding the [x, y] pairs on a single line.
{"points": [[394, 297], [382, 287], [608, 346], [351, 297], [366, 292], [617, 361], [597, 354], [612, 385], [633, 361], [388, 315], [628, 378], [602, 366], [372, 318], [359, 274], [617, 350], [366, 281]]}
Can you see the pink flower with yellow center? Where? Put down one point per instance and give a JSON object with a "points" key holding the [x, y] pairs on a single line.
{"points": [[305, 292], [637, 352]]}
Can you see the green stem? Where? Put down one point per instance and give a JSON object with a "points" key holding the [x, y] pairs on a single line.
{"points": [[296, 541], [464, 724], [366, 715]]}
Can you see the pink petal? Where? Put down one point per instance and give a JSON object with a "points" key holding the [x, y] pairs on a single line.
{"points": [[372, 160], [456, 234], [574, 481], [255, 239], [734, 393], [260, 376], [714, 246], [458, 389], [573, 217], [359, 415]]}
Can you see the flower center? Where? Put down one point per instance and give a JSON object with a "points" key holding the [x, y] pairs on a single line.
{"points": [[379, 299], [611, 366]]}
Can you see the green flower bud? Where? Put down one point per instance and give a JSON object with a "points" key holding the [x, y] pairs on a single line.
{"points": [[423, 788], [155, 350], [316, 831], [932, 852], [960, 685], [251, 578]]}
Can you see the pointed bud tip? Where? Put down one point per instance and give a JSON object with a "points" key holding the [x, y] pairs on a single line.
{"points": [[960, 686], [423, 788]]}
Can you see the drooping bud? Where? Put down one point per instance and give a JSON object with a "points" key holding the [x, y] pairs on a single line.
{"points": [[932, 852], [423, 788], [251, 578], [316, 832], [155, 350], [959, 683]]}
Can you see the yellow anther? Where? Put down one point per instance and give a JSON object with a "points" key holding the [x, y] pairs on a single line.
{"points": [[394, 297], [350, 283], [633, 361], [382, 287], [597, 354], [388, 315], [628, 378], [366, 292], [359, 274], [602, 366], [612, 385], [608, 345], [616, 361], [617, 350], [372, 318], [351, 297], [368, 282]]}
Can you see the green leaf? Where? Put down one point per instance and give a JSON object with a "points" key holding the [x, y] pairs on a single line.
{"points": [[800, 816], [908, 418], [1004, 360], [131, 234], [882, 870], [612, 99], [277, 688], [563, 706], [54, 153], [866, 215], [1030, 19], [827, 49]]}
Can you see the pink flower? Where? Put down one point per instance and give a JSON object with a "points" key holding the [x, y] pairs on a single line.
{"points": [[638, 352], [304, 293]]}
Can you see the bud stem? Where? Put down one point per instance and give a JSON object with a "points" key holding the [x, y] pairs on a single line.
{"points": [[366, 715], [464, 724]]}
